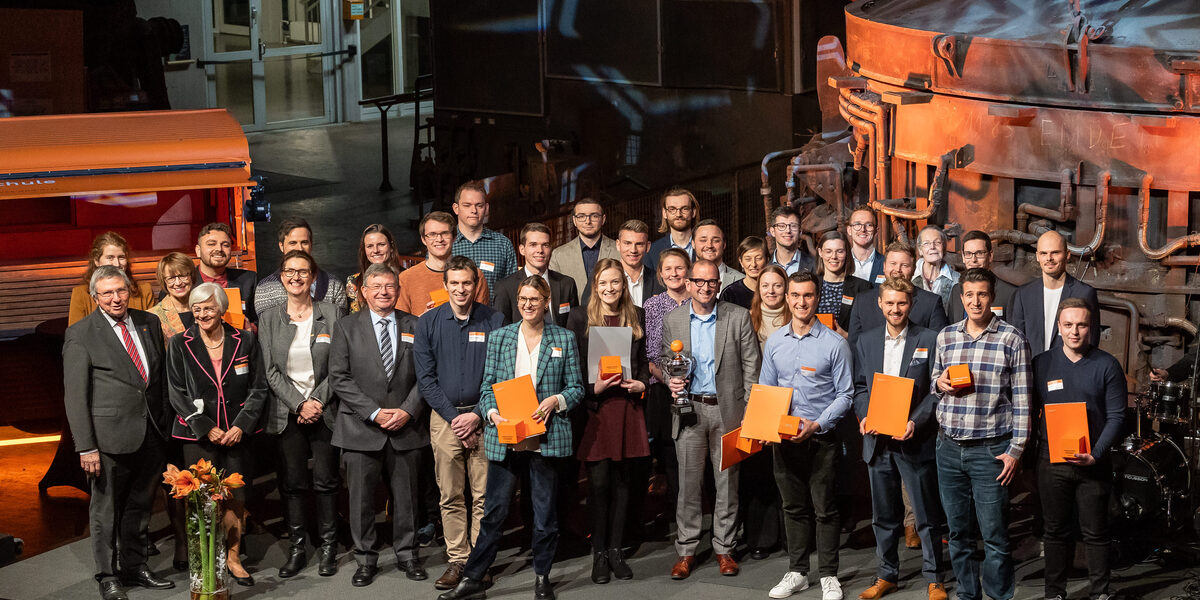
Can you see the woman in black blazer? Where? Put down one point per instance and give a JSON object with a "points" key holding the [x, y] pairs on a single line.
{"points": [[217, 389], [838, 286], [295, 338]]}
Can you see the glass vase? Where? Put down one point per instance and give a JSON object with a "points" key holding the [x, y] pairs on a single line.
{"points": [[206, 548]]}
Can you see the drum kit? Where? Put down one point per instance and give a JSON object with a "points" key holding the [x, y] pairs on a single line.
{"points": [[1152, 468]]}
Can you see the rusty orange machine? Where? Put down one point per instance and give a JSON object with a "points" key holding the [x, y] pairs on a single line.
{"points": [[154, 177]]}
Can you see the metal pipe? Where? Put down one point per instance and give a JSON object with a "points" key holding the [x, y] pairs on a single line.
{"points": [[872, 112], [1012, 236], [1064, 212], [1102, 182], [935, 193], [766, 179], [1131, 344], [864, 129], [1172, 323], [1172, 246], [1181, 261], [796, 169]]}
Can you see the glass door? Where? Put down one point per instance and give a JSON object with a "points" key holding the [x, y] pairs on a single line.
{"points": [[269, 70]]}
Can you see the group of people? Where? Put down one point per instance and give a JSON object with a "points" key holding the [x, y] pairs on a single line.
{"points": [[388, 375]]}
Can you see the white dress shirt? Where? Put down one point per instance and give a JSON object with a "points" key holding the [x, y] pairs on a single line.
{"points": [[299, 363], [1050, 300], [893, 351], [635, 287]]}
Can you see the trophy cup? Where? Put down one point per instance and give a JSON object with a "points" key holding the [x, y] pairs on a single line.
{"points": [[679, 365]]}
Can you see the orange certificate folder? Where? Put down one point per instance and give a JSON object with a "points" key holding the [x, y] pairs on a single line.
{"points": [[236, 315], [766, 405], [891, 399], [826, 319], [730, 453], [1067, 430], [516, 400], [439, 297]]}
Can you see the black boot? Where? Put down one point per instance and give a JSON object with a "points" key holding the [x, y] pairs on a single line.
{"points": [[616, 562], [600, 572], [327, 529], [294, 516]]}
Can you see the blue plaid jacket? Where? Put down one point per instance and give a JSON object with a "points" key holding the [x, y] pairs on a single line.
{"points": [[555, 375]]}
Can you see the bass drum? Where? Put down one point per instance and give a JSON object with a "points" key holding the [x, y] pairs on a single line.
{"points": [[1148, 479]]}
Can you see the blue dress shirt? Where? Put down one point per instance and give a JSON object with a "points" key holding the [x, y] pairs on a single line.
{"points": [[704, 335], [816, 366]]}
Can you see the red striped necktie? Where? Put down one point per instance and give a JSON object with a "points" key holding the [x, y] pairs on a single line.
{"points": [[132, 350]]}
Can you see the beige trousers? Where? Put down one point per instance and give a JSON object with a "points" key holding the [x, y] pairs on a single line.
{"points": [[455, 467]]}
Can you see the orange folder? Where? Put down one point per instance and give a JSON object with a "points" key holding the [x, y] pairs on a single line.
{"points": [[1067, 430], [766, 405], [235, 315], [826, 319], [730, 453], [891, 399], [789, 427], [610, 366], [516, 400], [960, 376], [439, 297]]}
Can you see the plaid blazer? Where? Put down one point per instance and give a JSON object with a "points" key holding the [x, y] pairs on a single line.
{"points": [[555, 375]]}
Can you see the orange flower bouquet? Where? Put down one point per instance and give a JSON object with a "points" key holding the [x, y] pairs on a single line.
{"points": [[203, 487]]}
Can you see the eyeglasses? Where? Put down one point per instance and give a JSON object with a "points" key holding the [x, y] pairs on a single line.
{"points": [[589, 217], [705, 282], [175, 278], [975, 255], [786, 227], [296, 272], [677, 210], [833, 252], [438, 235], [527, 301], [861, 226], [109, 295], [387, 287], [201, 311], [931, 244]]}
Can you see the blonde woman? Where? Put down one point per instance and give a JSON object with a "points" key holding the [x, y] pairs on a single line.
{"points": [[768, 309]]}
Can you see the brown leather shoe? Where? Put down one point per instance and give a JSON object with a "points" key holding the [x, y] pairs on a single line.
{"points": [[729, 567], [879, 589], [911, 539], [450, 578], [683, 568], [937, 591]]}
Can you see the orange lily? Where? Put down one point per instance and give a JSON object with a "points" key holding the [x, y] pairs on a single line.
{"points": [[234, 480], [170, 475], [202, 466], [185, 484]]}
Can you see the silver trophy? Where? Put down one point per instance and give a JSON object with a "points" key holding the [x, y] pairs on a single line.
{"points": [[679, 365]]}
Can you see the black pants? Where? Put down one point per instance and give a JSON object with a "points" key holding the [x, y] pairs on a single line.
{"points": [[227, 459], [121, 504], [1070, 492], [805, 474], [295, 445], [608, 501], [758, 502]]}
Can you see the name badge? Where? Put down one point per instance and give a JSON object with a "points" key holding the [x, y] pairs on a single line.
{"points": [[241, 368], [407, 338], [847, 300], [808, 371], [1054, 386], [476, 336], [879, 279], [564, 308], [487, 266], [323, 338], [556, 353], [920, 353], [998, 311]]}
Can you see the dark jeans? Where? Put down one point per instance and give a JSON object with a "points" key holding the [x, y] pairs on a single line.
{"points": [[543, 492], [967, 479], [758, 500], [608, 501], [805, 473], [1070, 492], [888, 469], [295, 444]]}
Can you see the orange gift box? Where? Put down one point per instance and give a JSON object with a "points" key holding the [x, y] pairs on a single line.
{"points": [[511, 432], [891, 397], [516, 401], [960, 376], [1067, 430], [789, 427], [439, 297], [610, 366], [826, 319]]}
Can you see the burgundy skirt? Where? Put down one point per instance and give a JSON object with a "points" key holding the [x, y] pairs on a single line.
{"points": [[616, 430]]}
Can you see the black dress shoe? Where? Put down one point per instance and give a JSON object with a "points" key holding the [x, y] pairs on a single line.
{"points": [[146, 578], [327, 560], [600, 570], [467, 589], [616, 562], [542, 588], [760, 554], [247, 581], [111, 590], [364, 575], [412, 569]]}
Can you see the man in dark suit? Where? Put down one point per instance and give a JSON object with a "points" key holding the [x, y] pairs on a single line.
{"points": [[381, 425], [633, 240], [214, 247], [927, 310], [535, 248], [868, 262], [901, 349], [1035, 304], [977, 254], [724, 348], [116, 404]]}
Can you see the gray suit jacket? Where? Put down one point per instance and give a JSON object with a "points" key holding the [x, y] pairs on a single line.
{"points": [[737, 358], [568, 259], [109, 406], [360, 382], [275, 335]]}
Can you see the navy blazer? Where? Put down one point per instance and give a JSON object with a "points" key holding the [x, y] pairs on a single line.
{"points": [[875, 277], [868, 360], [927, 311], [1027, 314]]}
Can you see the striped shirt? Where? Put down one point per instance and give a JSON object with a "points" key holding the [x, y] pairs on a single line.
{"points": [[493, 254], [999, 403]]}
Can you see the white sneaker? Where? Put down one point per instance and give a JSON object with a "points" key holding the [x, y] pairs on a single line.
{"points": [[831, 588], [790, 584]]}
